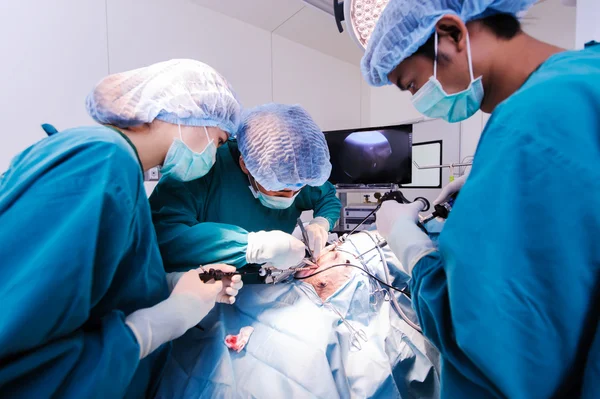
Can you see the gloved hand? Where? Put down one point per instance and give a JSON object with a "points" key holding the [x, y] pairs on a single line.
{"points": [[188, 304], [397, 224], [451, 188], [317, 230], [231, 284], [280, 249]]}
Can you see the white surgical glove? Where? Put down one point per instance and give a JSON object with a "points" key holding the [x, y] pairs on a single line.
{"points": [[280, 249], [450, 189], [172, 279], [317, 231], [188, 304], [397, 224]]}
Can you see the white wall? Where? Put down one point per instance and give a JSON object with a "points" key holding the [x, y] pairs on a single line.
{"points": [[552, 22], [53, 53], [141, 32], [56, 51], [390, 106], [329, 89], [588, 28]]}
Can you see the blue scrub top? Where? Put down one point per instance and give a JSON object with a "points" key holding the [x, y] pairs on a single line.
{"points": [[512, 300], [78, 254], [207, 220]]}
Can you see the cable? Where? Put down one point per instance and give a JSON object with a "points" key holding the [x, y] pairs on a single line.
{"points": [[362, 270], [395, 303]]}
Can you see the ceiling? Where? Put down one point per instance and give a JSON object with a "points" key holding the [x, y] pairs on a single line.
{"points": [[291, 19], [297, 21]]}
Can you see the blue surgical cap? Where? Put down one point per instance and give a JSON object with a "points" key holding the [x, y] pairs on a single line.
{"points": [[405, 25], [283, 148], [185, 92]]}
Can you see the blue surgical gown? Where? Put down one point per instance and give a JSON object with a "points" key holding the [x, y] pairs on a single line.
{"points": [[207, 220], [78, 254], [511, 300]]}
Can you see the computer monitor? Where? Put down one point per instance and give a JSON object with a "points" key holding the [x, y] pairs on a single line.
{"points": [[371, 156]]}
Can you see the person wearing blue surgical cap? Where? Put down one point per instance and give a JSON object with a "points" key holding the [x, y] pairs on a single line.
{"points": [[87, 308], [245, 209], [512, 297]]}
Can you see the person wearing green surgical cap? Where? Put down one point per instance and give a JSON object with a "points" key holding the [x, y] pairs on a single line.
{"points": [[511, 297], [245, 209]]}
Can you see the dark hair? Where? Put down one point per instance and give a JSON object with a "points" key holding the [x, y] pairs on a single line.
{"points": [[505, 26]]}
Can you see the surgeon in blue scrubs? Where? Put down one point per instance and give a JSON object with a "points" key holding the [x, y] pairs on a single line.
{"points": [[512, 297], [245, 209], [87, 308]]}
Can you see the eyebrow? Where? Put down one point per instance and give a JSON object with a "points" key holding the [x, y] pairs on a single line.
{"points": [[399, 84]]}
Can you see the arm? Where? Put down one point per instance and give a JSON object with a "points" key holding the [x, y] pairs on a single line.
{"points": [[186, 242], [494, 302], [325, 203], [52, 279]]}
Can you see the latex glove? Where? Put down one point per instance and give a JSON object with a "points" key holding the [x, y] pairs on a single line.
{"points": [[231, 285], [451, 188], [397, 224], [172, 279], [317, 231], [280, 249], [391, 211], [188, 304]]}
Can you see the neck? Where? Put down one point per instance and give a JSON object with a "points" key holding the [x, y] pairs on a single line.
{"points": [[151, 147], [511, 64]]}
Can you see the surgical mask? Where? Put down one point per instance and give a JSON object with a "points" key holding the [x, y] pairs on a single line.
{"points": [[183, 164], [432, 101], [270, 201]]}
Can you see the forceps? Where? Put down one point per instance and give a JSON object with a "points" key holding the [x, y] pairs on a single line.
{"points": [[354, 333], [305, 239]]}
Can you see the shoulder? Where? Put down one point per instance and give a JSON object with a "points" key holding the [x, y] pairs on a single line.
{"points": [[98, 142], [327, 187], [94, 156], [553, 118], [86, 162], [563, 87], [82, 149]]}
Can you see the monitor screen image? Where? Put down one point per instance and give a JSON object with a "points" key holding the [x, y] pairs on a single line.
{"points": [[371, 156]]}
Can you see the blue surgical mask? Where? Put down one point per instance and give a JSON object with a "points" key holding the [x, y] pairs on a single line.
{"points": [[432, 101], [183, 164], [270, 201]]}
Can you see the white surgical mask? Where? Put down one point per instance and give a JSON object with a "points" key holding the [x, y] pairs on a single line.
{"points": [[184, 164], [431, 100], [270, 201]]}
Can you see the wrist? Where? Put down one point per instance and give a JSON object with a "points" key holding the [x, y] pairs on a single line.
{"points": [[322, 222], [253, 247], [173, 278], [409, 243]]}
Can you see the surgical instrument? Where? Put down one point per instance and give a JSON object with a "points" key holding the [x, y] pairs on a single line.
{"points": [[442, 210], [398, 197], [378, 245], [217, 275], [354, 333], [305, 239], [274, 276], [403, 291]]}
